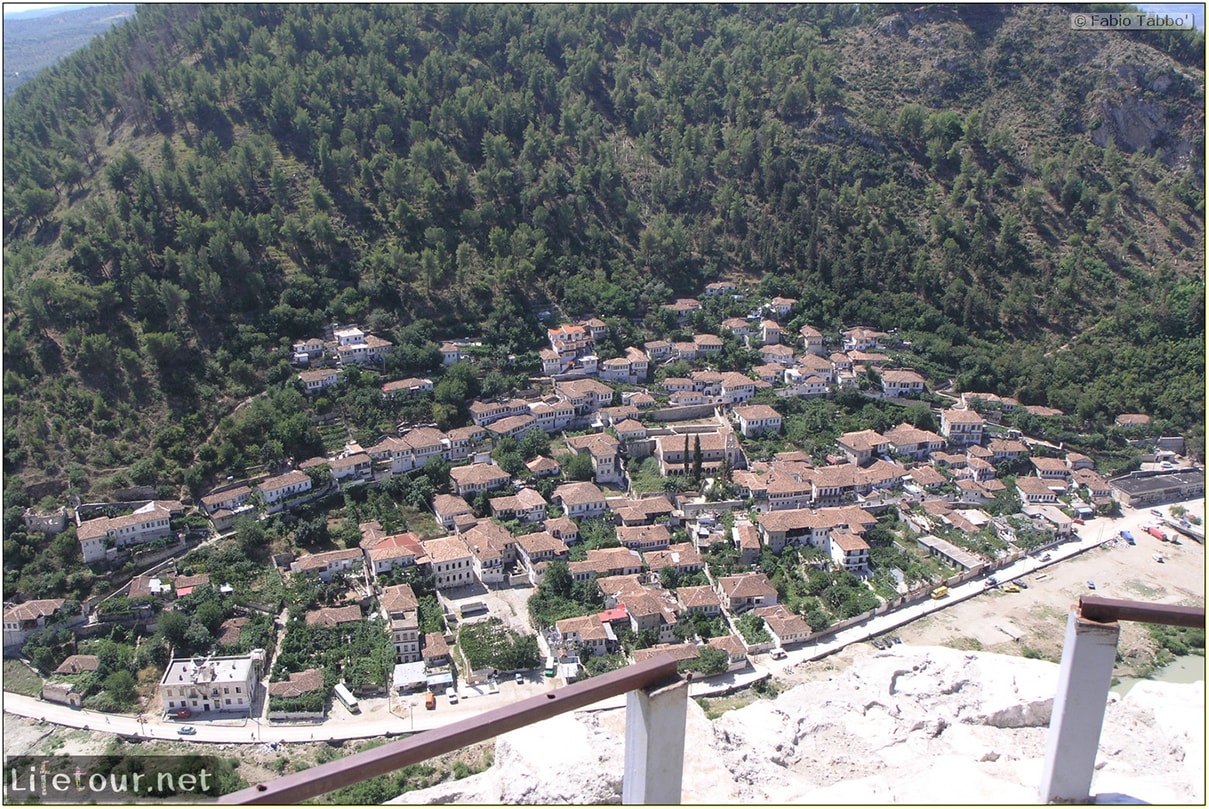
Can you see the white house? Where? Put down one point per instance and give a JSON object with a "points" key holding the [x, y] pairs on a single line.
{"points": [[278, 488], [902, 382], [222, 684], [758, 419]]}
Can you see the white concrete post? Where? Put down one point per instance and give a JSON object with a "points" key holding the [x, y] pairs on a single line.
{"points": [[654, 745], [1088, 654]]}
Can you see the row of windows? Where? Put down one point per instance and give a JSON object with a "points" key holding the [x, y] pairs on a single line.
{"points": [[226, 701], [226, 690]]}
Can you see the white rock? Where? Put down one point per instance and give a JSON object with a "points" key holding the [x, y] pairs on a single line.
{"points": [[912, 725]]}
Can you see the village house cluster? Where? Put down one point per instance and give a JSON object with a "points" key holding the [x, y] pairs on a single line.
{"points": [[694, 424]]}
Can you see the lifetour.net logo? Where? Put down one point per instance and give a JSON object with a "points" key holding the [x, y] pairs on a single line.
{"points": [[111, 779]]}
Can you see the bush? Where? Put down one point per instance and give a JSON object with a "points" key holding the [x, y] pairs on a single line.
{"points": [[751, 627]]}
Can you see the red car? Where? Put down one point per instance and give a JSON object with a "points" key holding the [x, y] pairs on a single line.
{"points": [[1079, 521], [183, 713]]}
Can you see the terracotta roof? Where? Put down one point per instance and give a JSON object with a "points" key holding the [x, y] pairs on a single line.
{"points": [[641, 535], [541, 542], [478, 474], [678, 556], [901, 375], [299, 683], [399, 598], [445, 549], [435, 646], [588, 627], [229, 630], [862, 441], [579, 493], [74, 664], [756, 411], [730, 644], [334, 616], [678, 651], [747, 585], [449, 504], [33, 610], [181, 582], [698, 597], [281, 481], [848, 541], [1033, 485]]}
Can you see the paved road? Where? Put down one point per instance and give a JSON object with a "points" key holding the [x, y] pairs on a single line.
{"points": [[409, 714]]}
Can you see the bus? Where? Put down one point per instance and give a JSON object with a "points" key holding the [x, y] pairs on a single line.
{"points": [[940, 592], [346, 696], [549, 672]]}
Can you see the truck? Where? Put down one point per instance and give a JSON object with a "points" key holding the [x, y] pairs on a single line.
{"points": [[1157, 533]]}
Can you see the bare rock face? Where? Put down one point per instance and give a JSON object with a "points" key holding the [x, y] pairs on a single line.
{"points": [[908, 725]]}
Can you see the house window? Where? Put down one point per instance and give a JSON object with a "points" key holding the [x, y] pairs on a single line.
{"points": [[228, 700], [171, 704], [236, 689], [226, 690]]}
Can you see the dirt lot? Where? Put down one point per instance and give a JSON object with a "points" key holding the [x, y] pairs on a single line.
{"points": [[1038, 614]]}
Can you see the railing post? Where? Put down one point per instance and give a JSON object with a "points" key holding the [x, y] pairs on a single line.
{"points": [[1088, 654], [654, 745]]}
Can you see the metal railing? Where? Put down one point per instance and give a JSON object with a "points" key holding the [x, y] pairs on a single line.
{"points": [[655, 719], [1088, 654]]}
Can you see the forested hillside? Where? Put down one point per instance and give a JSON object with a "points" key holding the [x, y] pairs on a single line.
{"points": [[207, 183], [35, 40]]}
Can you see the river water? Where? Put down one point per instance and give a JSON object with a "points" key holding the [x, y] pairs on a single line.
{"points": [[1184, 669]]}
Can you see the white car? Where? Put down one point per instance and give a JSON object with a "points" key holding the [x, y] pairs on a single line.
{"points": [[452, 693]]}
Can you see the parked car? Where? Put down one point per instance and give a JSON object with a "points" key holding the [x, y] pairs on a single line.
{"points": [[520, 678], [1091, 585], [452, 694], [183, 713], [1022, 584], [877, 644], [1079, 521], [430, 701], [1128, 537], [777, 653], [186, 730], [896, 639], [992, 581]]}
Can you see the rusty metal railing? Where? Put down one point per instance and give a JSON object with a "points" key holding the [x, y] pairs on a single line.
{"points": [[1107, 610], [642, 677], [1088, 654]]}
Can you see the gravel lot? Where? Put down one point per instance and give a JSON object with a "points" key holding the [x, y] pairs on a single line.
{"points": [[1038, 615]]}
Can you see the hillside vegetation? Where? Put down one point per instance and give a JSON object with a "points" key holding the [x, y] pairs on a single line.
{"points": [[207, 183], [36, 40]]}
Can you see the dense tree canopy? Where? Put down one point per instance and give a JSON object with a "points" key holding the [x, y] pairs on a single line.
{"points": [[207, 183]]}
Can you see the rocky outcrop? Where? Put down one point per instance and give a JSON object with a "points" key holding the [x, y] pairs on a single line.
{"points": [[909, 725]]}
